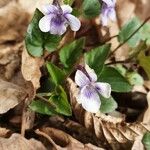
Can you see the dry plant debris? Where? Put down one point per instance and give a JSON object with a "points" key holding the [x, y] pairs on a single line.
{"points": [[20, 76]]}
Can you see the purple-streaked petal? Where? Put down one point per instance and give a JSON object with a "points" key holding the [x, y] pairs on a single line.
{"points": [[47, 9], [103, 88], [57, 29], [66, 9], [91, 73], [109, 2], [90, 99], [44, 23], [81, 79], [74, 22], [112, 14]]}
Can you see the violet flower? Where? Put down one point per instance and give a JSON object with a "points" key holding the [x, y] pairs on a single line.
{"points": [[88, 96], [108, 11], [57, 19]]}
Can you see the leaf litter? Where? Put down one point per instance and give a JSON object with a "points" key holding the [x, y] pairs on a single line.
{"points": [[19, 82]]}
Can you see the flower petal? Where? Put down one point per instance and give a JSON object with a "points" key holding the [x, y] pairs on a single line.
{"points": [[74, 22], [66, 9], [112, 14], [57, 29], [90, 99], [47, 9], [81, 79], [109, 2], [44, 23], [103, 88], [91, 73]]}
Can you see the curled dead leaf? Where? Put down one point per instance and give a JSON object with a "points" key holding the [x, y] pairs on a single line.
{"points": [[18, 142], [63, 141], [10, 95], [109, 129], [31, 68]]}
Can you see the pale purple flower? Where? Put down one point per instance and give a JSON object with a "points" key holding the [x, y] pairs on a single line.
{"points": [[57, 19], [108, 11], [88, 96]]}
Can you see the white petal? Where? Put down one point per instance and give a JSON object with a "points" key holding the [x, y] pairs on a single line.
{"points": [[66, 9], [103, 88], [109, 2], [81, 79], [112, 15], [57, 29], [74, 22], [91, 73], [44, 23], [90, 99], [47, 9]]}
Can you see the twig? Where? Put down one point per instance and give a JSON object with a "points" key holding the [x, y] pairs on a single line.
{"points": [[121, 44], [110, 38], [119, 62], [141, 46]]}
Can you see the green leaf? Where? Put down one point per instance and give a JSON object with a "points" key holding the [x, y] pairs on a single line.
{"points": [[108, 105], [145, 33], [91, 8], [144, 62], [61, 102], [115, 79], [122, 70], [42, 107], [127, 30], [146, 141], [56, 73], [71, 52], [134, 78], [96, 57], [36, 41]]}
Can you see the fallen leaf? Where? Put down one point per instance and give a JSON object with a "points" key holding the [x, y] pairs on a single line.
{"points": [[146, 117], [63, 141], [4, 132], [115, 131], [10, 96], [137, 145], [31, 68], [18, 142], [12, 26]]}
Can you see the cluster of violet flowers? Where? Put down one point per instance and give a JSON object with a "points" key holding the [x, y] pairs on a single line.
{"points": [[56, 20]]}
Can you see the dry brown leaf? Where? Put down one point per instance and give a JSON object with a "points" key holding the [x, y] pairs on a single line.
{"points": [[4, 132], [31, 5], [137, 145], [12, 26], [146, 117], [63, 141], [10, 96], [31, 68], [17, 142], [115, 131], [74, 129], [9, 60]]}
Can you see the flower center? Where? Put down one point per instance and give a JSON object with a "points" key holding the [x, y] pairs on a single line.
{"points": [[58, 19]]}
